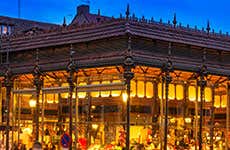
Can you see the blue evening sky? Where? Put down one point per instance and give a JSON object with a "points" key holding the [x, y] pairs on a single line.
{"points": [[192, 12]]}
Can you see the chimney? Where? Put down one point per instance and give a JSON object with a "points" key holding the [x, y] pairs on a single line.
{"points": [[82, 9]]}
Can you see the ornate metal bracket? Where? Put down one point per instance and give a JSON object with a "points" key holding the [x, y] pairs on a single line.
{"points": [[202, 83], [166, 69], [38, 82], [8, 82]]}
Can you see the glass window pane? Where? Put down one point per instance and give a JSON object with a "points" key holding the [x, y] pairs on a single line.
{"points": [[192, 93], [208, 94], [198, 94], [179, 92], [171, 91], [217, 101], [159, 89], [4, 31], [223, 101], [140, 88], [149, 89], [133, 88]]}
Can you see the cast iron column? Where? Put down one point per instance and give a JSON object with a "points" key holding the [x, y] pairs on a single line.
{"points": [[168, 80], [8, 84], [70, 79], [202, 83], [38, 84], [212, 118], [227, 118], [128, 75], [76, 110], [167, 69]]}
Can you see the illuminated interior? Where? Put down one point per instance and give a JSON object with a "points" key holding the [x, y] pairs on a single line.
{"points": [[100, 107]]}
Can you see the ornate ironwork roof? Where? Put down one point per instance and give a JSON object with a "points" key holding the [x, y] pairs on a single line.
{"points": [[117, 27]]}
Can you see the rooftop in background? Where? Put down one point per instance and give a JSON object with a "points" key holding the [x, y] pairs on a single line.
{"points": [[84, 16], [20, 26]]}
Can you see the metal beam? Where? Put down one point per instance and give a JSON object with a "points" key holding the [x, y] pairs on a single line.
{"points": [[83, 88], [227, 119], [128, 76], [212, 118]]}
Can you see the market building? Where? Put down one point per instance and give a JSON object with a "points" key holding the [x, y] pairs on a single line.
{"points": [[113, 82]]}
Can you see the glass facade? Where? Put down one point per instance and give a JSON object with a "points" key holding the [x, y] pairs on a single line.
{"points": [[99, 110]]}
